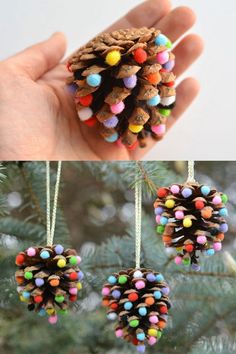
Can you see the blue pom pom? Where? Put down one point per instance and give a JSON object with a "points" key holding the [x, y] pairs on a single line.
{"points": [[159, 277], [223, 212], [45, 255], [187, 192], [112, 279], [112, 138], [157, 294], [128, 305], [210, 252], [161, 40], [26, 294], [205, 190], [141, 336], [94, 80], [154, 101], [141, 348], [42, 312], [142, 311], [164, 220]]}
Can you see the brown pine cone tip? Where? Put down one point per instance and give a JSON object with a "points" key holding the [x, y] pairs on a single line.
{"points": [[138, 300], [123, 83], [48, 278], [191, 218]]}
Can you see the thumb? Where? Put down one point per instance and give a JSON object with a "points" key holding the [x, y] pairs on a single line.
{"points": [[40, 58]]}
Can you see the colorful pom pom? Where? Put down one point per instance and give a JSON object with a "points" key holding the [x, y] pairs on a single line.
{"points": [[94, 80], [140, 55]]}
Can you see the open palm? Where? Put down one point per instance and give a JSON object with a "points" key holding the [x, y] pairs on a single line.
{"points": [[38, 119]]}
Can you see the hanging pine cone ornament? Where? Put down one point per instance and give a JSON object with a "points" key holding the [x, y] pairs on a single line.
{"points": [[48, 279], [124, 84], [138, 301], [191, 218]]}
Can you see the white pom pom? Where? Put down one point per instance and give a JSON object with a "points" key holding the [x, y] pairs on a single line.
{"points": [[85, 113], [167, 101]]}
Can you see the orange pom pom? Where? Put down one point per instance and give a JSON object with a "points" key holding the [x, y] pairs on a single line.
{"points": [[206, 213], [20, 280], [149, 301], [105, 302], [54, 282], [154, 78], [220, 237], [167, 240], [20, 259], [161, 324]]}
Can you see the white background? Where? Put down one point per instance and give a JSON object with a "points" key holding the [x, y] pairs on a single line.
{"points": [[208, 129]]}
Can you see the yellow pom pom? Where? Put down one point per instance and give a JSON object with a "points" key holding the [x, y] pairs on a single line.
{"points": [[170, 203], [50, 311], [187, 222], [152, 332], [61, 263], [79, 286], [23, 299], [135, 128], [113, 57], [179, 249]]}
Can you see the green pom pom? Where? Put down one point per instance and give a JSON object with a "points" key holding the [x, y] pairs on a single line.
{"points": [[186, 261], [122, 279], [224, 198], [73, 260], [134, 323], [159, 334], [28, 275], [59, 298], [63, 312], [160, 229], [169, 45], [165, 112]]}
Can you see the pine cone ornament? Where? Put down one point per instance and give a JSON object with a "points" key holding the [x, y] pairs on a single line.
{"points": [[138, 301], [123, 82], [191, 218], [48, 277]]}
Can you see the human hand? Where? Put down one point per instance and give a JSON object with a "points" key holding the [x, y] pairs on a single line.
{"points": [[38, 119]]}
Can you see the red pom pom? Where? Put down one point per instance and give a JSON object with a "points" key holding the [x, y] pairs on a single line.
{"points": [[162, 193], [38, 299], [20, 259], [72, 298], [114, 306], [163, 309], [86, 100], [169, 84], [189, 248], [91, 122], [199, 204], [135, 341], [133, 297], [140, 56], [132, 147], [73, 276], [68, 67]]}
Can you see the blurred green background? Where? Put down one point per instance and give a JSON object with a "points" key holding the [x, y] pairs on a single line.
{"points": [[96, 217]]}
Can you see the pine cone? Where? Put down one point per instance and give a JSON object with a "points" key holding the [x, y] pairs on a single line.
{"points": [[124, 82], [191, 219], [47, 278], [138, 300]]}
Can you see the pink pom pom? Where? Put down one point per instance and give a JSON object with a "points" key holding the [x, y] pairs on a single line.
{"points": [[179, 215], [119, 333], [78, 259], [159, 129], [201, 240], [153, 319], [31, 252], [152, 340], [73, 291], [178, 260], [105, 291], [52, 319], [216, 200], [140, 284], [117, 108], [158, 219], [217, 246], [163, 57], [174, 189]]}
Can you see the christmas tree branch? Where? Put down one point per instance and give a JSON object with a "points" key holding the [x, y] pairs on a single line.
{"points": [[208, 274], [145, 176], [32, 195]]}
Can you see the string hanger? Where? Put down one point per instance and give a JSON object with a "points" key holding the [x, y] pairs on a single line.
{"points": [[191, 177], [51, 219], [138, 219]]}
